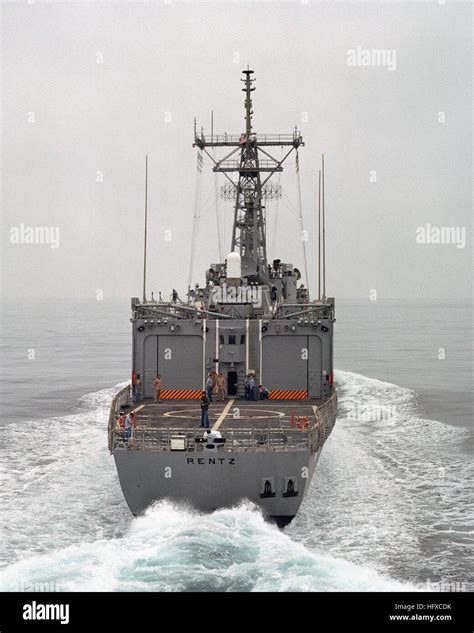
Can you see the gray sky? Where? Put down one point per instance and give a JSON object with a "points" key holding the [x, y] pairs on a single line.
{"points": [[176, 60]]}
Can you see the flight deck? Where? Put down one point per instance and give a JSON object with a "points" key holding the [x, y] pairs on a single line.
{"points": [[230, 414]]}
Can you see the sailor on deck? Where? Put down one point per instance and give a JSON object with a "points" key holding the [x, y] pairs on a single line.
{"points": [[204, 410], [252, 387], [209, 438], [135, 387], [210, 387], [128, 425], [220, 381]]}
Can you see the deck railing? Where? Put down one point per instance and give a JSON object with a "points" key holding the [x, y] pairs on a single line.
{"points": [[320, 428], [235, 165], [235, 440], [262, 139], [120, 399], [149, 438]]}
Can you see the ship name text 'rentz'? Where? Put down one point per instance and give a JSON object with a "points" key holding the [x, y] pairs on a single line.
{"points": [[211, 460]]}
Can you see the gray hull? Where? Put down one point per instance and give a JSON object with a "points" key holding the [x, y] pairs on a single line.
{"points": [[210, 481]]}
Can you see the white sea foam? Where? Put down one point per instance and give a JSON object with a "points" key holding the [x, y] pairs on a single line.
{"points": [[389, 500], [173, 549], [395, 493]]}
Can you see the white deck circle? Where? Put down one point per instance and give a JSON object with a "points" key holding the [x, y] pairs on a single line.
{"points": [[192, 413]]}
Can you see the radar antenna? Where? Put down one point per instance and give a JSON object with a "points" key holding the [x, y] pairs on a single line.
{"points": [[255, 166]]}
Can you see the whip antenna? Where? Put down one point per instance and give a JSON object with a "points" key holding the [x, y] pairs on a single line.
{"points": [[319, 236], [216, 197], [300, 214], [145, 236], [324, 236]]}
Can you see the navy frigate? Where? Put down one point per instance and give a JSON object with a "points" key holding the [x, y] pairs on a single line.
{"points": [[252, 328]]}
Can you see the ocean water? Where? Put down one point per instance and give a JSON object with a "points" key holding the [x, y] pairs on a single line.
{"points": [[390, 506]]}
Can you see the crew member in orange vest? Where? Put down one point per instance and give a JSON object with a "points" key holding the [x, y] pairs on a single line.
{"points": [[135, 387]]}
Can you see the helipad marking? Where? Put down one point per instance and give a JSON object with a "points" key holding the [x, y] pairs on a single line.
{"points": [[191, 413], [187, 413], [222, 415]]}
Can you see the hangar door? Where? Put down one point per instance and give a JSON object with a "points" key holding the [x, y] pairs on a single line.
{"points": [[180, 361], [284, 363], [177, 359]]}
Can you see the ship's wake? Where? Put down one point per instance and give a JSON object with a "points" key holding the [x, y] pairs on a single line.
{"points": [[174, 549], [392, 489], [381, 513]]}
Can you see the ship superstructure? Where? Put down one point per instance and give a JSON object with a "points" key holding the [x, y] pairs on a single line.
{"points": [[253, 318]]}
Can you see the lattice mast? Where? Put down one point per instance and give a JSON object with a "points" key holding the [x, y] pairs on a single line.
{"points": [[254, 168]]}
